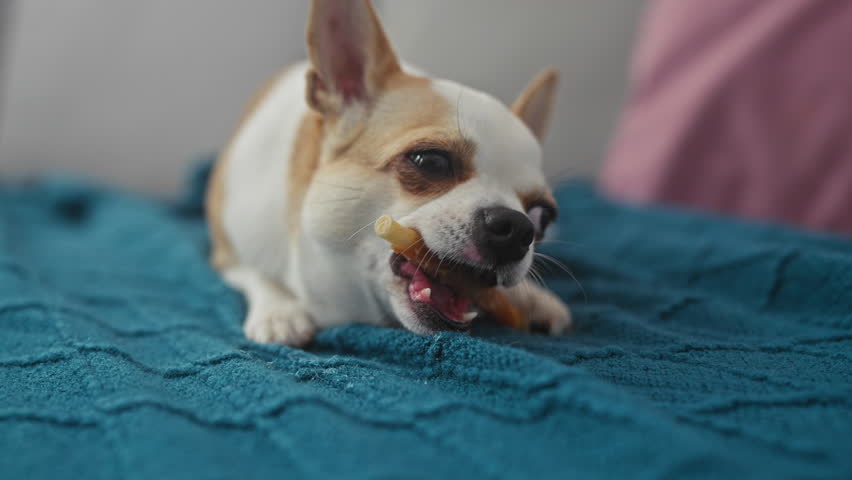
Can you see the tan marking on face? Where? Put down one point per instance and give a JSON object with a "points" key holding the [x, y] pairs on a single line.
{"points": [[304, 161], [222, 254], [411, 116], [417, 183]]}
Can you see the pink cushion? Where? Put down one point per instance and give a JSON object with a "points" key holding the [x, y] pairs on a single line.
{"points": [[742, 107]]}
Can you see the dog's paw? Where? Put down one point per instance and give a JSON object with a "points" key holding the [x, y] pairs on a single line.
{"points": [[545, 311], [548, 314], [281, 321]]}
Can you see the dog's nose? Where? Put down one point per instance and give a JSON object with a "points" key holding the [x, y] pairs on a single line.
{"points": [[502, 235]]}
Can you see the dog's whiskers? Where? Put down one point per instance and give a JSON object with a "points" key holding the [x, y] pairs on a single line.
{"points": [[539, 262], [536, 276], [562, 266], [441, 262], [345, 187], [562, 242], [411, 246], [426, 258], [458, 113], [371, 222], [552, 260], [332, 200]]}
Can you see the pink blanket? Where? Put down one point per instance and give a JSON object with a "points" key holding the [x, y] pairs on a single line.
{"points": [[742, 107]]}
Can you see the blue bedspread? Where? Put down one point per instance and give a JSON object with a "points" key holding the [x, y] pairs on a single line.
{"points": [[703, 349]]}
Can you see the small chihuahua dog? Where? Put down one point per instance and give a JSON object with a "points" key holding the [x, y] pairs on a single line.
{"points": [[350, 135]]}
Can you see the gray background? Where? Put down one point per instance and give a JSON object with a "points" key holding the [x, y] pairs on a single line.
{"points": [[130, 91]]}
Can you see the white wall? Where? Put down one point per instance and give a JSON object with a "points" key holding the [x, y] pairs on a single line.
{"points": [[130, 91]]}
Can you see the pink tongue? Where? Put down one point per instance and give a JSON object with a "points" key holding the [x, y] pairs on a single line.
{"points": [[441, 297]]}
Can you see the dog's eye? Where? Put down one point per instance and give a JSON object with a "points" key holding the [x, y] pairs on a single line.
{"points": [[541, 216], [433, 163]]}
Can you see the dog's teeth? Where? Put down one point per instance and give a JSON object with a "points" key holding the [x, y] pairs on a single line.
{"points": [[469, 316], [426, 293]]}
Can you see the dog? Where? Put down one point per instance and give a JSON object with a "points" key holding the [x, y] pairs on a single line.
{"points": [[349, 135]]}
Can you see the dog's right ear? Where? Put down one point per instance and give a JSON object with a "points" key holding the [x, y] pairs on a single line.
{"points": [[350, 55]]}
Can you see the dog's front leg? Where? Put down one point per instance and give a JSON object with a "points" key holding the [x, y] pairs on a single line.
{"points": [[274, 314], [545, 311]]}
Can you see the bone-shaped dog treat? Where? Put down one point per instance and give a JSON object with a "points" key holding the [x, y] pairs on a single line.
{"points": [[408, 243]]}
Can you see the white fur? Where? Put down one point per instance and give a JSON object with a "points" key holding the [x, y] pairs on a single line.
{"points": [[255, 213], [325, 286], [508, 157]]}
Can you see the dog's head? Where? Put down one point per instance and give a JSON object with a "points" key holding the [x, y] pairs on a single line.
{"points": [[445, 159]]}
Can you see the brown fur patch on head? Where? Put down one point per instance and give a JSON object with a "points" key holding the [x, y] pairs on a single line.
{"points": [[410, 116], [414, 182]]}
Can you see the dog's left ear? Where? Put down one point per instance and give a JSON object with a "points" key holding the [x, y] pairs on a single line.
{"points": [[535, 104], [350, 55]]}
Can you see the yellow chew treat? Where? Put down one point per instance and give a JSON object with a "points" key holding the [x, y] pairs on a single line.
{"points": [[389, 230], [407, 242]]}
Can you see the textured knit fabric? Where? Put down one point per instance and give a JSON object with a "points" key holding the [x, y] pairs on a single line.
{"points": [[741, 106], [702, 349]]}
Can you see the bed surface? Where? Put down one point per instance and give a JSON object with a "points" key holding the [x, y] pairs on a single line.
{"points": [[704, 348]]}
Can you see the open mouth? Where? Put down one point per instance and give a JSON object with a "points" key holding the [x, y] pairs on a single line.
{"points": [[435, 303]]}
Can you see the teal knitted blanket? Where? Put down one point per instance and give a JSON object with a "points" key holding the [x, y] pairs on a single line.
{"points": [[704, 348]]}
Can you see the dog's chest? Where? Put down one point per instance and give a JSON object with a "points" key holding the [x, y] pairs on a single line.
{"points": [[336, 287]]}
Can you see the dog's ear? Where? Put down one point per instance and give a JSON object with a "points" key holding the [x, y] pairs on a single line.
{"points": [[350, 55], [535, 104]]}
